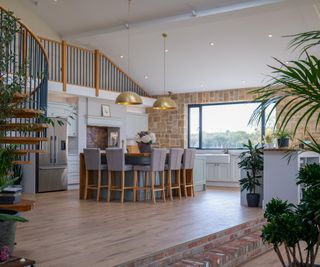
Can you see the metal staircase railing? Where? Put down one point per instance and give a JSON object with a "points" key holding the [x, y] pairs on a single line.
{"points": [[23, 87]]}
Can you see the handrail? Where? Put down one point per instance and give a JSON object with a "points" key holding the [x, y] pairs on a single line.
{"points": [[29, 31], [81, 66]]}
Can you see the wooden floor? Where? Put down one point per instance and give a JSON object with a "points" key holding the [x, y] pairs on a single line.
{"points": [[64, 231]]}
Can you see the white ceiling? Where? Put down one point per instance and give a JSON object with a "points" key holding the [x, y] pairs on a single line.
{"points": [[238, 28]]}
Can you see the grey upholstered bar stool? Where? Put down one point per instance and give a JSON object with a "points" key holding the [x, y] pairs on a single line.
{"points": [[174, 164], [92, 159], [116, 163], [158, 160], [188, 164]]}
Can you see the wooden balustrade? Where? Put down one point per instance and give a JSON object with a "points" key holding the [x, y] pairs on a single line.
{"points": [[71, 64]]}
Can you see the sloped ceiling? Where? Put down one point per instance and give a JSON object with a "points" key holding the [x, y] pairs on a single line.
{"points": [[240, 32]]}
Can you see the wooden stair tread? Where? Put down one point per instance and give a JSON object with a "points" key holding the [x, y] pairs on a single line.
{"points": [[22, 140], [24, 126], [22, 162], [19, 97], [27, 113], [26, 151]]}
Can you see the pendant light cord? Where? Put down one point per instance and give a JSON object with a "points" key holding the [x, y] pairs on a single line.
{"points": [[164, 61], [129, 35]]}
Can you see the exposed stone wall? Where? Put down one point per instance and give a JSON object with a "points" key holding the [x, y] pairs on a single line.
{"points": [[171, 127]]}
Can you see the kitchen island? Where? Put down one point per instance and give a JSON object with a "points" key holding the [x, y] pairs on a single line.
{"points": [[130, 158]]}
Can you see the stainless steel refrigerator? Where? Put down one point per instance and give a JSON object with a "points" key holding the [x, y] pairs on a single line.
{"points": [[53, 164]]}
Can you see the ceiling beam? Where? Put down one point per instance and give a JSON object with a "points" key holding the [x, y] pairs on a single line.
{"points": [[183, 17]]}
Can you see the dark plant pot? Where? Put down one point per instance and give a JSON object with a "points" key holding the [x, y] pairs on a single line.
{"points": [[8, 231], [144, 148], [283, 142], [253, 199]]}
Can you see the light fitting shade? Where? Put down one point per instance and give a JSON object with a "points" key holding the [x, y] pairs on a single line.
{"points": [[164, 103], [128, 98]]}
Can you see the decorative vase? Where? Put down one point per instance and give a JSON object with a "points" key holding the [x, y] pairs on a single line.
{"points": [[283, 142], [8, 231], [144, 148], [253, 199]]}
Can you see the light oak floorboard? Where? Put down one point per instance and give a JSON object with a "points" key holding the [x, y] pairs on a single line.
{"points": [[66, 231]]}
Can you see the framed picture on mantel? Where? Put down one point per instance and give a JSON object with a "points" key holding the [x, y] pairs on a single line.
{"points": [[105, 111]]}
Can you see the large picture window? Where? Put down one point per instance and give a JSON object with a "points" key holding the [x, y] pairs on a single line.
{"points": [[220, 126]]}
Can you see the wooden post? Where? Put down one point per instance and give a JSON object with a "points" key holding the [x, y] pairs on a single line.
{"points": [[97, 71], [64, 66]]}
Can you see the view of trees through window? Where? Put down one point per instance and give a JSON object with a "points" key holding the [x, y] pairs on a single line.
{"points": [[225, 125]]}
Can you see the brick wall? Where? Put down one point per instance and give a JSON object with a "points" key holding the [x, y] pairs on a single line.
{"points": [[170, 127]]}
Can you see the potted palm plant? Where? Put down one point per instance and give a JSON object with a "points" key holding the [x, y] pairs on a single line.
{"points": [[251, 161], [296, 228], [283, 138], [294, 91]]}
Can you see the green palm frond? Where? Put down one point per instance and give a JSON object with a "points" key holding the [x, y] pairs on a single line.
{"points": [[305, 40], [293, 89]]}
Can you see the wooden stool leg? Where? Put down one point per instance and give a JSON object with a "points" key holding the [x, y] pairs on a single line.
{"points": [[135, 185], [193, 192], [145, 185], [86, 185], [122, 186], [170, 184], [99, 185], [179, 182], [163, 186], [109, 185], [185, 183], [152, 188]]}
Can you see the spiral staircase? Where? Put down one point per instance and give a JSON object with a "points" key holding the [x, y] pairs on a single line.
{"points": [[23, 89]]}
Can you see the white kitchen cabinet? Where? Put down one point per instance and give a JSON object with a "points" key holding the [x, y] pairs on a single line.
{"points": [[73, 169], [64, 111], [218, 172], [200, 173]]}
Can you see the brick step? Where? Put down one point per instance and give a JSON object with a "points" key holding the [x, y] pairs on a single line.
{"points": [[22, 140], [27, 113], [229, 254], [30, 127], [204, 244]]}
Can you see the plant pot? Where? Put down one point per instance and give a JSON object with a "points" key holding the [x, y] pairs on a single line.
{"points": [[253, 199], [8, 231], [144, 148], [283, 142]]}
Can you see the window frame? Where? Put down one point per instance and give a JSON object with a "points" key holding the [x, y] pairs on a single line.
{"points": [[263, 122]]}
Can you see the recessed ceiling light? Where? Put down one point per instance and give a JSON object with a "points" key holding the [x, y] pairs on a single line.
{"points": [[121, 56], [212, 43], [55, 0], [287, 62], [166, 50], [146, 76], [243, 81], [270, 35], [201, 85]]}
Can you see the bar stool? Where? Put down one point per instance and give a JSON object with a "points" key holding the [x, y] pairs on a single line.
{"points": [[158, 160], [92, 159], [175, 159], [116, 163], [188, 164]]}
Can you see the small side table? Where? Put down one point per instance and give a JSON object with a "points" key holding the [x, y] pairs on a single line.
{"points": [[16, 262]]}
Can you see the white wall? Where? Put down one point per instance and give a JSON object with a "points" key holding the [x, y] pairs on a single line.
{"points": [[29, 18]]}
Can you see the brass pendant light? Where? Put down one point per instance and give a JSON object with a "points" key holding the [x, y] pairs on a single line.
{"points": [[164, 102], [128, 98]]}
